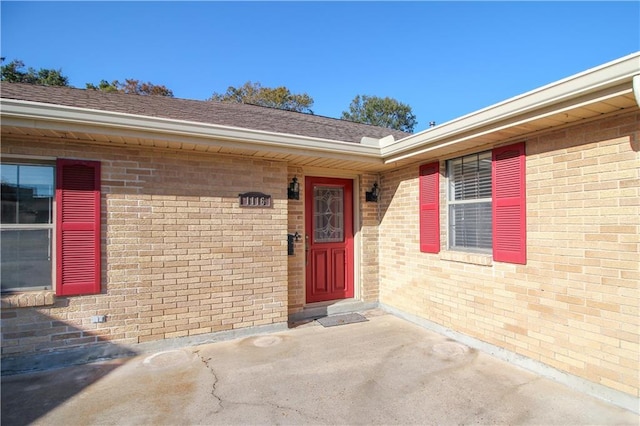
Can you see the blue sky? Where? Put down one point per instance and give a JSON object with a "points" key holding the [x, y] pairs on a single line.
{"points": [[444, 59]]}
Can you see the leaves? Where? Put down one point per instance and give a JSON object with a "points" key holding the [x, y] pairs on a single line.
{"points": [[131, 86], [384, 112], [255, 94], [104, 86], [13, 73]]}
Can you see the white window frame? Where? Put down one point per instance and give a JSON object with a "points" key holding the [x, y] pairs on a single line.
{"points": [[483, 155], [36, 161]]}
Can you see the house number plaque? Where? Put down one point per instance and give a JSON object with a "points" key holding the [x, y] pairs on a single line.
{"points": [[255, 199]]}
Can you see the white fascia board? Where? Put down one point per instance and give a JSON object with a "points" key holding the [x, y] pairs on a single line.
{"points": [[60, 117], [544, 98], [636, 88], [377, 142]]}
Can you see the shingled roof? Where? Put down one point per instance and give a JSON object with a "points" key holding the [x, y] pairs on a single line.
{"points": [[209, 112]]}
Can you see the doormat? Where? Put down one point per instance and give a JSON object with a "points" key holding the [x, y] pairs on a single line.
{"points": [[342, 319]]}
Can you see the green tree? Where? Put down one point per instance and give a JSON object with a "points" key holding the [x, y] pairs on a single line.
{"points": [[104, 86], [14, 72], [255, 94], [384, 112], [131, 86]]}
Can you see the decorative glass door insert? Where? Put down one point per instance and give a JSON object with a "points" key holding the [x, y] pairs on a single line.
{"points": [[328, 214]]}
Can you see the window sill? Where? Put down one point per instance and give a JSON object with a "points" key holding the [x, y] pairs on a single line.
{"points": [[28, 299], [471, 258]]}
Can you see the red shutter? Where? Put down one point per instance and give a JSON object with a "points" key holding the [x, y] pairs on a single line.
{"points": [[77, 227], [509, 204], [430, 208]]}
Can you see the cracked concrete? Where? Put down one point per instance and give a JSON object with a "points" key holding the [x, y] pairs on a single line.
{"points": [[384, 371], [207, 363]]}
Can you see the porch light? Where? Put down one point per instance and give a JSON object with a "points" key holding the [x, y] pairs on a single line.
{"points": [[373, 194], [294, 189]]}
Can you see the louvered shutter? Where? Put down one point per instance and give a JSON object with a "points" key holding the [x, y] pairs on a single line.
{"points": [[77, 227], [509, 204], [430, 208]]}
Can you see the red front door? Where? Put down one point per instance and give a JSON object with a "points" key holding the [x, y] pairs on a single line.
{"points": [[329, 238]]}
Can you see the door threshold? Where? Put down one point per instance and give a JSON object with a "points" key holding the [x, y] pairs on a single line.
{"points": [[332, 307]]}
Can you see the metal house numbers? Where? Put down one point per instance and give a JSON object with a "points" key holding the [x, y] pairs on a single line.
{"points": [[255, 200]]}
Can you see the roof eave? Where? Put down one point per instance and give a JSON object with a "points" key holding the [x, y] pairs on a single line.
{"points": [[60, 117], [608, 80]]}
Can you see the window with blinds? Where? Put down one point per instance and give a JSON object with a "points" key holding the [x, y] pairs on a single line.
{"points": [[469, 203], [26, 225]]}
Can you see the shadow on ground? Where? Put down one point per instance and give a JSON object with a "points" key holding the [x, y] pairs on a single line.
{"points": [[384, 371], [43, 391]]}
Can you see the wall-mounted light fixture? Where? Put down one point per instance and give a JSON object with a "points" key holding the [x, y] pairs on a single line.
{"points": [[373, 194], [294, 189]]}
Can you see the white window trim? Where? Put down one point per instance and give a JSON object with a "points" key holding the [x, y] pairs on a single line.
{"points": [[36, 160], [481, 252]]}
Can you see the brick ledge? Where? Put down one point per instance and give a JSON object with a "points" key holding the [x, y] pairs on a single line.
{"points": [[28, 299], [472, 258]]}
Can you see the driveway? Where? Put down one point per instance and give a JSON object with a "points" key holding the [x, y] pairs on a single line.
{"points": [[382, 371]]}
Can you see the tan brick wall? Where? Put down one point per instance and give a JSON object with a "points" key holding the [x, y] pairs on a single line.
{"points": [[369, 220], [180, 257], [575, 304], [297, 261]]}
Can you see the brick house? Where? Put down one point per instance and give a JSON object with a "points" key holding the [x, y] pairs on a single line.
{"points": [[132, 222]]}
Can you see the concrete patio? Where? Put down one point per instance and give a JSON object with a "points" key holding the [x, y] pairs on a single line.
{"points": [[383, 371]]}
